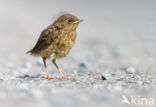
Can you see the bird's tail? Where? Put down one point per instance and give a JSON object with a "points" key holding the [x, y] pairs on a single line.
{"points": [[29, 52]]}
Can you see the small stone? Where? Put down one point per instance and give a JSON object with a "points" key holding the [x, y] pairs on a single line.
{"points": [[107, 76], [103, 78], [131, 70], [85, 64]]}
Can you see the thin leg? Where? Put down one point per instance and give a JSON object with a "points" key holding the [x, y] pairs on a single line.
{"points": [[45, 66], [63, 77], [57, 67]]}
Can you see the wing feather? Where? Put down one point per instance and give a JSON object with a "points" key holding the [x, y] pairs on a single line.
{"points": [[46, 38]]}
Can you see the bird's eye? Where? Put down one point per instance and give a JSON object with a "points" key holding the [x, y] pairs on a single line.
{"points": [[69, 21]]}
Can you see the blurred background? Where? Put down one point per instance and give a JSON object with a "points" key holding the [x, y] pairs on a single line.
{"points": [[114, 35]]}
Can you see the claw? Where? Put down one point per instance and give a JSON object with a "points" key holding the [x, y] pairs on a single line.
{"points": [[50, 78], [65, 78]]}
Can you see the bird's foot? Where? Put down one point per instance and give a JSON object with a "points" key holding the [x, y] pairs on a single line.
{"points": [[50, 78], [65, 78], [56, 78]]}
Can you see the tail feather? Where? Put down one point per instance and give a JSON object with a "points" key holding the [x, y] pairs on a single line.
{"points": [[31, 52]]}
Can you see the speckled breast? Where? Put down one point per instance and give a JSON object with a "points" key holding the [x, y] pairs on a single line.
{"points": [[62, 44], [65, 43]]}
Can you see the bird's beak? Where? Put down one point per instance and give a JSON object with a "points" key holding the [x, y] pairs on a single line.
{"points": [[78, 21]]}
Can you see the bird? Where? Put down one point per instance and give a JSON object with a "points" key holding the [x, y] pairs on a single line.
{"points": [[56, 41]]}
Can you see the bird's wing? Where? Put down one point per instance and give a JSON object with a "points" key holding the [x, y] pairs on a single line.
{"points": [[46, 38]]}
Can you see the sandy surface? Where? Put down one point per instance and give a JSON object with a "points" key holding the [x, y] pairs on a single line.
{"points": [[116, 41]]}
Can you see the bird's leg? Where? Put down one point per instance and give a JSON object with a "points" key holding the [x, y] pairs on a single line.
{"points": [[63, 77], [45, 66], [57, 67]]}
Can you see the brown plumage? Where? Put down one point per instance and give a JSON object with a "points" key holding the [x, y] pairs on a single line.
{"points": [[56, 40]]}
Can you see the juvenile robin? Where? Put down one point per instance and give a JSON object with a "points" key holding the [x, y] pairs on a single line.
{"points": [[56, 41]]}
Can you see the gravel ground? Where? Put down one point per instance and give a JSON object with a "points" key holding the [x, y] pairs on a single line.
{"points": [[114, 56]]}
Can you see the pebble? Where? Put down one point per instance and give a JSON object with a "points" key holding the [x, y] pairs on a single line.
{"points": [[131, 70], [103, 78], [107, 76], [85, 64]]}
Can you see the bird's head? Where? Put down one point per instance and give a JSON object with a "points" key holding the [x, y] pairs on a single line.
{"points": [[67, 21]]}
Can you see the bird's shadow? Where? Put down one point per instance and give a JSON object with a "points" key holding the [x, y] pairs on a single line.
{"points": [[28, 76]]}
